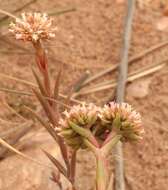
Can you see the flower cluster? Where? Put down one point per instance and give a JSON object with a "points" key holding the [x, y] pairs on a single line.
{"points": [[33, 27], [85, 116], [121, 118]]}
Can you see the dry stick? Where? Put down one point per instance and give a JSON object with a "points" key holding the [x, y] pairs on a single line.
{"points": [[62, 11], [32, 85], [15, 11], [26, 128], [18, 80], [7, 14], [132, 60], [12, 52], [8, 122], [7, 133], [47, 98], [12, 149], [76, 86], [13, 111], [133, 76], [122, 79]]}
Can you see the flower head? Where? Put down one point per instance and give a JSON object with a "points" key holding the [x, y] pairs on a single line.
{"points": [[84, 116], [124, 119], [33, 27]]}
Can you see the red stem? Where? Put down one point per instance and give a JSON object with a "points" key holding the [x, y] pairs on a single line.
{"points": [[41, 60]]}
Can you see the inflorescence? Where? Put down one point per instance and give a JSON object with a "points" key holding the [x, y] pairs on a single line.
{"points": [[33, 27], [120, 118]]}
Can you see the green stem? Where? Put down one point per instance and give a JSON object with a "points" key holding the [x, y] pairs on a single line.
{"points": [[110, 143], [101, 172]]}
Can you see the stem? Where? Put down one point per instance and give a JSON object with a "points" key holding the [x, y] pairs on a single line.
{"points": [[101, 172], [110, 143], [73, 167], [41, 60]]}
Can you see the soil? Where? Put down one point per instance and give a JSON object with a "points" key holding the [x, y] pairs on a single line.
{"points": [[89, 38]]}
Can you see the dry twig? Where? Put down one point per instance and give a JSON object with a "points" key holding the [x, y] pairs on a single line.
{"points": [[122, 79], [26, 127], [133, 59], [7, 14], [131, 77], [32, 85]]}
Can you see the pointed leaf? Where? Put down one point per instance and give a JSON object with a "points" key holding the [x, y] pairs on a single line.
{"points": [[59, 166], [56, 90], [53, 133], [84, 133], [57, 82], [48, 110], [41, 87], [48, 127]]}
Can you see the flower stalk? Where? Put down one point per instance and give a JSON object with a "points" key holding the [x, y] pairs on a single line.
{"points": [[101, 172], [41, 60]]}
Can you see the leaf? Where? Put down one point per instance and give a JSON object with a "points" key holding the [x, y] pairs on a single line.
{"points": [[84, 133], [56, 89], [48, 109], [48, 127], [53, 133], [41, 87], [59, 166]]}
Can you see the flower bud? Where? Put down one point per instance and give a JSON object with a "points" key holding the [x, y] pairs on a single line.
{"points": [[123, 119], [84, 116]]}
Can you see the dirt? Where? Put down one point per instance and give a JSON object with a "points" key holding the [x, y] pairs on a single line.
{"points": [[90, 38]]}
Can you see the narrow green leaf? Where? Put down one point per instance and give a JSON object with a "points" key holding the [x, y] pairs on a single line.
{"points": [[84, 133]]}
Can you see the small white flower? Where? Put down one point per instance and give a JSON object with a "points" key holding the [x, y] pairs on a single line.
{"points": [[33, 27]]}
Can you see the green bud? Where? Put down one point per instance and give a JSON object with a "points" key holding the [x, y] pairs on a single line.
{"points": [[117, 122]]}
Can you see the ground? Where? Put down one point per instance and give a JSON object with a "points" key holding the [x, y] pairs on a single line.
{"points": [[90, 38]]}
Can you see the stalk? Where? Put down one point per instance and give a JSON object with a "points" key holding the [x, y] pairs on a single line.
{"points": [[101, 172], [42, 64]]}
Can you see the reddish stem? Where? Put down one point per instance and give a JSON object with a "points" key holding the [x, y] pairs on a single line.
{"points": [[41, 60]]}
